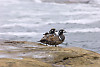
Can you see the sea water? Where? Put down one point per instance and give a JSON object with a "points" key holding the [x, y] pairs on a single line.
{"points": [[27, 20]]}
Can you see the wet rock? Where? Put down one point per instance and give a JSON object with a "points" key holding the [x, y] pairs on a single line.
{"points": [[22, 63], [30, 54]]}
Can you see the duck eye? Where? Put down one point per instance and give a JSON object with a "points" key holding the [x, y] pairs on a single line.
{"points": [[52, 30]]}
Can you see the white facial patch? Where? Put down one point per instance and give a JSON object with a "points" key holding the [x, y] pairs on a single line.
{"points": [[51, 30], [60, 38]]}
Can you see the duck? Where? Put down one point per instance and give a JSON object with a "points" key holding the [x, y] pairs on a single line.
{"points": [[47, 35], [57, 39], [52, 38]]}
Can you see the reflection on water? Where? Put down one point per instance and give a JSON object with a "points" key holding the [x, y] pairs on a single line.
{"points": [[27, 20]]}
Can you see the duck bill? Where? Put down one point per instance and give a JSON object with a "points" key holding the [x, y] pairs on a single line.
{"points": [[65, 32]]}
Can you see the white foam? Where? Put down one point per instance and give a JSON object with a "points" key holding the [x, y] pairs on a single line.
{"points": [[20, 24], [7, 2], [3, 56], [9, 56], [18, 58], [82, 12], [84, 30], [21, 33], [95, 1], [38, 1], [82, 21], [10, 47]]}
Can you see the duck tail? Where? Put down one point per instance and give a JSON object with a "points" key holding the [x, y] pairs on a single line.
{"points": [[43, 40]]}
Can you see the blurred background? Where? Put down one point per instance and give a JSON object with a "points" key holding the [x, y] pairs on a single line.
{"points": [[27, 20]]}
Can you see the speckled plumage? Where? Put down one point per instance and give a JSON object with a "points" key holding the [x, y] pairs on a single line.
{"points": [[47, 35], [57, 39], [53, 39]]}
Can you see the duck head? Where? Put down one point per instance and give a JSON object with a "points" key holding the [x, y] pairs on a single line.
{"points": [[61, 31], [52, 31]]}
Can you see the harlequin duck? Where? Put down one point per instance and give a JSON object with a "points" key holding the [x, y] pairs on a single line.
{"points": [[57, 39], [47, 35]]}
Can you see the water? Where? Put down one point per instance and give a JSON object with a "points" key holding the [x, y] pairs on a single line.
{"points": [[27, 20]]}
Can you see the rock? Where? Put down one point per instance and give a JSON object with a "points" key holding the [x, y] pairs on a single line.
{"points": [[30, 54], [22, 63]]}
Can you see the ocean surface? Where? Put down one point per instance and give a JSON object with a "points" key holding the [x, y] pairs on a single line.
{"points": [[27, 20]]}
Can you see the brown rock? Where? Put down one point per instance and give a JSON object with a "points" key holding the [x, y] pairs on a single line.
{"points": [[30, 54], [22, 63]]}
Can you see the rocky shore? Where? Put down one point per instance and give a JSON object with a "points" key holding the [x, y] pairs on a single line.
{"points": [[30, 54]]}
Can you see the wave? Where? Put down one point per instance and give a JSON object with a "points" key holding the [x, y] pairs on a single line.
{"points": [[67, 1], [20, 24], [38, 1], [21, 33], [37, 33], [7, 2], [95, 1], [32, 25], [82, 21], [84, 30]]}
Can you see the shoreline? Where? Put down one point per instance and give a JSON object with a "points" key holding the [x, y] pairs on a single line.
{"points": [[31, 54]]}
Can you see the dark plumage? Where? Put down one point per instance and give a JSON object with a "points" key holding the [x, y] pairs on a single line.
{"points": [[52, 31], [48, 35], [52, 39], [57, 39]]}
